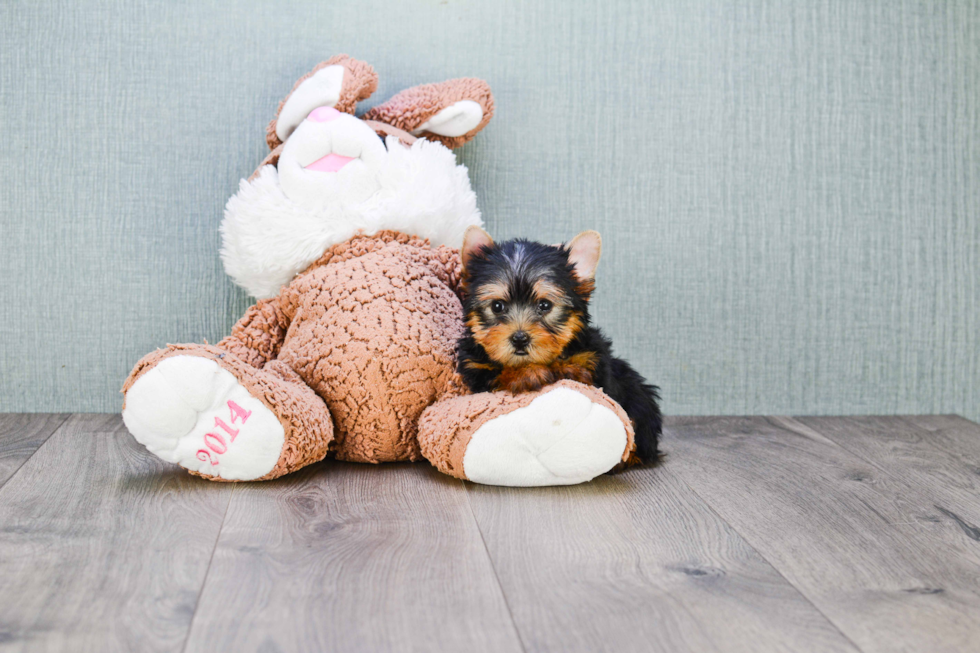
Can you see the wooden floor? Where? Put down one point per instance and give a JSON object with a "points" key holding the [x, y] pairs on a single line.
{"points": [[756, 534]]}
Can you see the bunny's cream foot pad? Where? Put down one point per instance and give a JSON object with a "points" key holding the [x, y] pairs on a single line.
{"points": [[560, 438], [190, 411]]}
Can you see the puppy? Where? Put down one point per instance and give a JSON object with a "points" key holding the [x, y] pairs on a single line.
{"points": [[527, 326]]}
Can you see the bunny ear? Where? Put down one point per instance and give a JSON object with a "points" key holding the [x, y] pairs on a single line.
{"points": [[339, 82], [451, 112]]}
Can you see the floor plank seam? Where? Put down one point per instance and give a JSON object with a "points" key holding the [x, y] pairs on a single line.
{"points": [[864, 458], [47, 439], [207, 573], [791, 424], [968, 529], [768, 562], [493, 568], [906, 419]]}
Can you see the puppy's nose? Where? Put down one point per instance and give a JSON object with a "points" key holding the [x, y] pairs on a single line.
{"points": [[520, 340]]}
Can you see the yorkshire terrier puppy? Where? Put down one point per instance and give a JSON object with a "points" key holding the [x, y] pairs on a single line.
{"points": [[527, 326]]}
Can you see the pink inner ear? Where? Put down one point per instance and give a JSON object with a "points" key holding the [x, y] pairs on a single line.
{"points": [[330, 163], [584, 252]]}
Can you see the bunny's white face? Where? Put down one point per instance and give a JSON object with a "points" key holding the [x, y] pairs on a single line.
{"points": [[330, 157]]}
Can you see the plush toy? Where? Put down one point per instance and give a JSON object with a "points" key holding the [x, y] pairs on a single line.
{"points": [[347, 234]]}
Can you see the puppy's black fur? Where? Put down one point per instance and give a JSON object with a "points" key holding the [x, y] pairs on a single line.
{"points": [[522, 290]]}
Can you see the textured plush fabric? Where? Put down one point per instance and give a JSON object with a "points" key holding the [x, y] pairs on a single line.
{"points": [[373, 331], [786, 189]]}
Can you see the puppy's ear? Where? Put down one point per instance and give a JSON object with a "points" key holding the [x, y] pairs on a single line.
{"points": [[474, 241], [584, 252]]}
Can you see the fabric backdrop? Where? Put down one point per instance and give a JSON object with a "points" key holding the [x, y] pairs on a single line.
{"points": [[788, 192]]}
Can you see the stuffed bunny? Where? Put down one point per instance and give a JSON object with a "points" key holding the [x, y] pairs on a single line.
{"points": [[347, 233]]}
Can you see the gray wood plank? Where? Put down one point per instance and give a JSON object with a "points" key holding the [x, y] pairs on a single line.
{"points": [[638, 562], [863, 547], [102, 546], [954, 435], [937, 457], [20, 436], [343, 557]]}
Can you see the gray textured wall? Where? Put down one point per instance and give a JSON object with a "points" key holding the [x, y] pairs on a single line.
{"points": [[789, 191]]}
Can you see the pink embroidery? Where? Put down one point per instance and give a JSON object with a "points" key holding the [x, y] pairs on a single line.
{"points": [[220, 423], [238, 411], [216, 443]]}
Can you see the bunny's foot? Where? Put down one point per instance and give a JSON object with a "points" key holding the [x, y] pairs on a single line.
{"points": [[564, 434], [222, 419]]}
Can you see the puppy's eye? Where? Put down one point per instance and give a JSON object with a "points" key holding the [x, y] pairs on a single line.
{"points": [[497, 307], [544, 306]]}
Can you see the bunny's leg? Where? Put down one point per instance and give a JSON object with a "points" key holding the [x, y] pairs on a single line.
{"points": [[564, 434], [231, 411], [221, 418]]}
